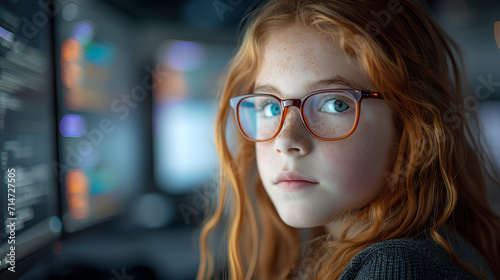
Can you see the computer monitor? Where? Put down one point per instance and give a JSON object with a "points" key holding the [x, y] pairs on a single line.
{"points": [[184, 103], [103, 142], [29, 188]]}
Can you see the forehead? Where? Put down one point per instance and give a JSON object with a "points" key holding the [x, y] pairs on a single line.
{"points": [[294, 58]]}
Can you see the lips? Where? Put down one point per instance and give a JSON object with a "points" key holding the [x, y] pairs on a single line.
{"points": [[294, 181]]}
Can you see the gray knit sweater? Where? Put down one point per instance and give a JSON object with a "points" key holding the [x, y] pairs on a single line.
{"points": [[416, 258]]}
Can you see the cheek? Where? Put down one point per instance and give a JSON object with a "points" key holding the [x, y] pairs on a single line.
{"points": [[345, 161], [263, 152], [357, 164], [260, 152]]}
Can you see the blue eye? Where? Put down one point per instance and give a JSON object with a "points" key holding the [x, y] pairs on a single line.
{"points": [[335, 106], [271, 110]]}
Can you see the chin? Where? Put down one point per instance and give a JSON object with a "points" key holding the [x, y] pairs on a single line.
{"points": [[299, 219], [295, 223]]}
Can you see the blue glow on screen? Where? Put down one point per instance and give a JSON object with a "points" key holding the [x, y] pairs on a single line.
{"points": [[185, 56], [84, 32], [72, 125], [9, 36], [185, 154], [489, 118], [100, 54]]}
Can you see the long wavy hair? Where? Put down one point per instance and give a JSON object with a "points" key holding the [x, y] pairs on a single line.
{"points": [[437, 180]]}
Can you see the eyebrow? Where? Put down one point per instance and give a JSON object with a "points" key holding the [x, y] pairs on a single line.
{"points": [[337, 80]]}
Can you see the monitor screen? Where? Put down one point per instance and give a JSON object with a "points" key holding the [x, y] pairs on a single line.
{"points": [[100, 119], [29, 189], [489, 118], [184, 108]]}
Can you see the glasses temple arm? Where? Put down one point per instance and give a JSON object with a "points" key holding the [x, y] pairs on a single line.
{"points": [[371, 94]]}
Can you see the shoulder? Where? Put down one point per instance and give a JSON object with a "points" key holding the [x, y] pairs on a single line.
{"points": [[403, 259]]}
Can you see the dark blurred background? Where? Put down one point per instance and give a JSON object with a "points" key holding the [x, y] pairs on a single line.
{"points": [[107, 111]]}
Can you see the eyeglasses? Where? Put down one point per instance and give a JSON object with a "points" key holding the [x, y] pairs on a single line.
{"points": [[330, 114]]}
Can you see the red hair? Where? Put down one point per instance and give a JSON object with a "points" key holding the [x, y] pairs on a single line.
{"points": [[437, 177]]}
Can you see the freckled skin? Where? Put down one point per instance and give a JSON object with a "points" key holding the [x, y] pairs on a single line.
{"points": [[350, 171]]}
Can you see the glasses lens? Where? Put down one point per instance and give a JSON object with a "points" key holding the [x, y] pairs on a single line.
{"points": [[330, 114], [259, 116]]}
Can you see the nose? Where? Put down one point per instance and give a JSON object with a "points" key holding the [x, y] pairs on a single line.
{"points": [[293, 139]]}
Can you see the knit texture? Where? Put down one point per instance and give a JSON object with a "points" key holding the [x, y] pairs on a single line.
{"points": [[413, 259]]}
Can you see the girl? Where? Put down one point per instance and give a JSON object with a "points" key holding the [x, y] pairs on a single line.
{"points": [[350, 126]]}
